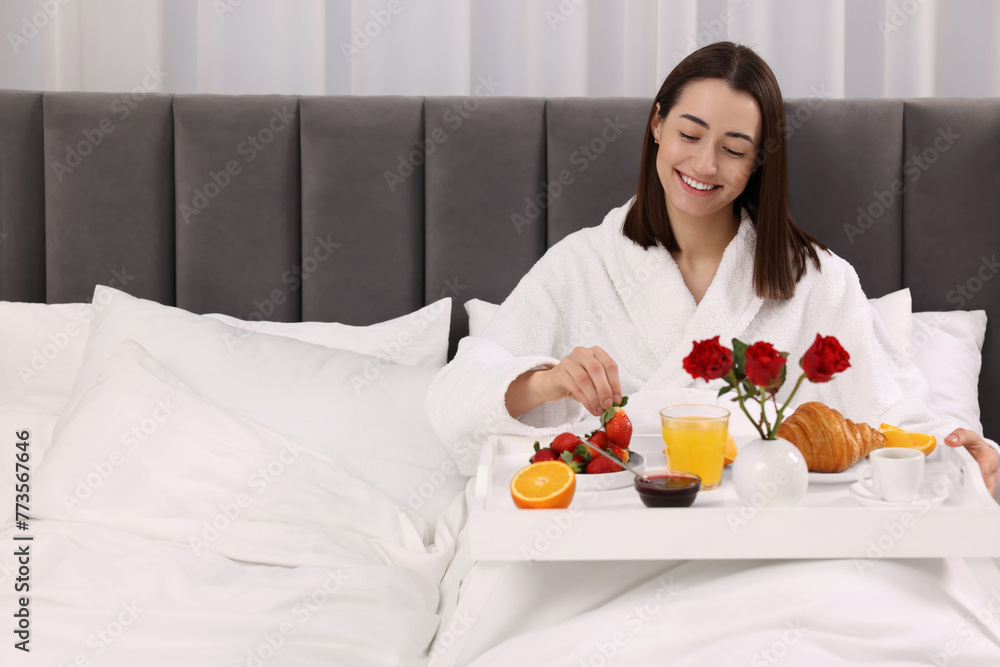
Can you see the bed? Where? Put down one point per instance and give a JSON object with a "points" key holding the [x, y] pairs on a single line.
{"points": [[261, 485]]}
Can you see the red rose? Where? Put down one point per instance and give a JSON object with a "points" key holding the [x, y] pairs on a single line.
{"points": [[763, 364], [825, 358], [708, 360]]}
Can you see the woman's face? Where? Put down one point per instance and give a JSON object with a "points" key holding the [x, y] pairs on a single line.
{"points": [[708, 143]]}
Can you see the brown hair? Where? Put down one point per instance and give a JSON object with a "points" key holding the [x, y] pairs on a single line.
{"points": [[782, 248]]}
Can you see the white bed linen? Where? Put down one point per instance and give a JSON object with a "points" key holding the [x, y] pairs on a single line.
{"points": [[160, 527], [713, 613]]}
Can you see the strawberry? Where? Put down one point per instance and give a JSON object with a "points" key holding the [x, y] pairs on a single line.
{"points": [[543, 454], [617, 424], [602, 464], [599, 438], [577, 459], [620, 452], [565, 442]]}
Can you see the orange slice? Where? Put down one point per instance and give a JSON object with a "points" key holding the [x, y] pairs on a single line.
{"points": [[543, 485], [730, 450], [898, 437]]}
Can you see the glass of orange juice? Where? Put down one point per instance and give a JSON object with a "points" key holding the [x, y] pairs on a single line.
{"points": [[695, 437]]}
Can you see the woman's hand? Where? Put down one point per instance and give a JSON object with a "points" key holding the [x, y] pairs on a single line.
{"points": [[985, 455], [588, 374]]}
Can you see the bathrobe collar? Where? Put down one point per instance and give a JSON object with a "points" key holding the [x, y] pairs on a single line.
{"points": [[653, 293]]}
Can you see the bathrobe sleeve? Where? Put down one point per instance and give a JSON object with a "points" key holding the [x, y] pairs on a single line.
{"points": [[465, 402]]}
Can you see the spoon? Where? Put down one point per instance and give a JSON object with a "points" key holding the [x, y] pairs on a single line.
{"points": [[614, 458]]}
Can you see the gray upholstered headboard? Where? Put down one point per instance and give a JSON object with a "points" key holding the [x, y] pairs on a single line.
{"points": [[358, 209]]}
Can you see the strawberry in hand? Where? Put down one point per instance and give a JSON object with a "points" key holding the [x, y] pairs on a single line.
{"points": [[617, 424]]}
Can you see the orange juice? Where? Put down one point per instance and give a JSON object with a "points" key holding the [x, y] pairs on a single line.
{"points": [[696, 442]]}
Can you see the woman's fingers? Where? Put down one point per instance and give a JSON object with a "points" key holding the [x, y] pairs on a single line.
{"points": [[985, 456], [591, 378]]}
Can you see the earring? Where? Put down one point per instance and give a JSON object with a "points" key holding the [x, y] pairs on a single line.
{"points": [[656, 141]]}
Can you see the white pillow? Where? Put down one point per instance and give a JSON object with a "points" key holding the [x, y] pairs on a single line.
{"points": [[947, 348], [480, 313], [419, 338], [893, 309], [366, 413], [142, 450], [43, 345], [41, 348]]}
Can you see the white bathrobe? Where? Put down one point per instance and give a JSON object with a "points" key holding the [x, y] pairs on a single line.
{"points": [[596, 287]]}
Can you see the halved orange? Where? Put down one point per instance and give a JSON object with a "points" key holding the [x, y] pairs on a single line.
{"points": [[730, 450], [897, 437], [543, 485]]}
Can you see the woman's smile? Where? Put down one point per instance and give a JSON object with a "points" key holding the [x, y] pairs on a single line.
{"points": [[696, 187]]}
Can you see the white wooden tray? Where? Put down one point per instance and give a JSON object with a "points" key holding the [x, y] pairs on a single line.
{"points": [[615, 525]]}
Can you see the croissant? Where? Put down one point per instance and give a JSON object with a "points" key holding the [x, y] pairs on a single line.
{"points": [[828, 441]]}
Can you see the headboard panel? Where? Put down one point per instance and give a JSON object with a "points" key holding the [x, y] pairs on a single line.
{"points": [[358, 209], [238, 215], [22, 197], [349, 145], [109, 195]]}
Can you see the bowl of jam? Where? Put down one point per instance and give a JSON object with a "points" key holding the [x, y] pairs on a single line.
{"points": [[666, 488]]}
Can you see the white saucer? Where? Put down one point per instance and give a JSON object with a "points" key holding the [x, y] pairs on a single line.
{"points": [[844, 477], [925, 497], [611, 480]]}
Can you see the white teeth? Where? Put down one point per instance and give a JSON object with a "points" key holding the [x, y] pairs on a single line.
{"points": [[697, 185]]}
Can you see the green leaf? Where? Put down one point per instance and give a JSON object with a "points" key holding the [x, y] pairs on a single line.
{"points": [[624, 401], [567, 457], [739, 359], [728, 388], [537, 446]]}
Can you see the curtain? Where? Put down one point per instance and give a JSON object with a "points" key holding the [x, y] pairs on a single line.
{"points": [[551, 48]]}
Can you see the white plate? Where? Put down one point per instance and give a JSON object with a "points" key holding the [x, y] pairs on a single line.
{"points": [[611, 480], [927, 494], [845, 477]]}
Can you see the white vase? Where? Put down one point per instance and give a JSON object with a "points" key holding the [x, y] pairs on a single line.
{"points": [[770, 473]]}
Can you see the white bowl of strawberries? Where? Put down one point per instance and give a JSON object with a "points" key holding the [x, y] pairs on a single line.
{"points": [[593, 471]]}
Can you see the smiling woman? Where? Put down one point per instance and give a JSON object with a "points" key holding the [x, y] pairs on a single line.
{"points": [[706, 248], [716, 150]]}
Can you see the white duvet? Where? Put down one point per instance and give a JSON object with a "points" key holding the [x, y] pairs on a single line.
{"points": [[169, 531]]}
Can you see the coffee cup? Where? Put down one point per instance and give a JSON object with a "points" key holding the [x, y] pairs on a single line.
{"points": [[894, 474]]}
